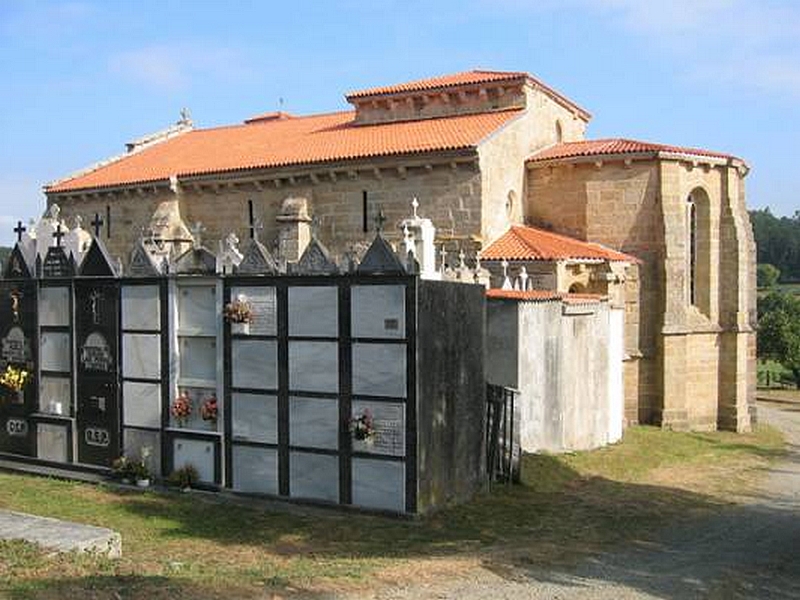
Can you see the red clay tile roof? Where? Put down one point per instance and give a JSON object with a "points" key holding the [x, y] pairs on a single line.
{"points": [[616, 146], [530, 243], [473, 77], [444, 81], [280, 142], [542, 296]]}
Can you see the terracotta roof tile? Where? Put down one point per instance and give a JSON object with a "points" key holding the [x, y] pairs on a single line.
{"points": [[473, 77], [542, 296], [278, 141], [444, 81], [616, 146], [530, 243]]}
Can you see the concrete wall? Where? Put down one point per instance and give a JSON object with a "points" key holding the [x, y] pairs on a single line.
{"points": [[451, 403], [570, 392]]}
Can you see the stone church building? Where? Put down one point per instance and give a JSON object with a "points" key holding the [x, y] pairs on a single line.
{"points": [[483, 151]]}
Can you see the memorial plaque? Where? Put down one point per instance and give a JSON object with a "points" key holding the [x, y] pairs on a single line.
{"points": [[97, 407], [378, 311], [263, 303], [19, 349], [57, 263], [379, 484], [314, 311], [379, 369], [389, 422]]}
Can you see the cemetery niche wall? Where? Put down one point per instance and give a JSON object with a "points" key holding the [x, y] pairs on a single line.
{"points": [[354, 387]]}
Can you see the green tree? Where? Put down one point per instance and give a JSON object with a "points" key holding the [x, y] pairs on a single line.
{"points": [[767, 275], [779, 331]]}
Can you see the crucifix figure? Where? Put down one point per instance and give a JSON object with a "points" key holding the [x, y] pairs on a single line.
{"points": [[97, 223], [58, 234], [94, 300], [15, 296], [380, 219], [19, 230]]}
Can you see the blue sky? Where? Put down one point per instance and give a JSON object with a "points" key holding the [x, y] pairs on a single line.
{"points": [[81, 78]]}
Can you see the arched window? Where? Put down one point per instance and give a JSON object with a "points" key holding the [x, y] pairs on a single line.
{"points": [[691, 246], [698, 250], [559, 132]]}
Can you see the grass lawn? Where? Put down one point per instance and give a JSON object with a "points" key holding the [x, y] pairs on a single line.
{"points": [[197, 546]]}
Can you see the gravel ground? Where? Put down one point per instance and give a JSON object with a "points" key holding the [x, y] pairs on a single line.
{"points": [[746, 551]]}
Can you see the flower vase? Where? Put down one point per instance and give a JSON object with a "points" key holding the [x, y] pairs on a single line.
{"points": [[240, 328]]}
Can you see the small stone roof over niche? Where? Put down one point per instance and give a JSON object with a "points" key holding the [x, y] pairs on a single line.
{"points": [[622, 147], [531, 243]]}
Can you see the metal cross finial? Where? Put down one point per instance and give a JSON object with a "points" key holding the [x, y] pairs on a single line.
{"points": [[415, 206], [380, 219], [58, 234], [19, 230], [97, 222]]}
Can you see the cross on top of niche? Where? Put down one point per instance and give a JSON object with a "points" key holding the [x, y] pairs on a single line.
{"points": [[58, 234], [97, 223], [19, 230]]}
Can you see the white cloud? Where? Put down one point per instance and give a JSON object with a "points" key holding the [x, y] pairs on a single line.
{"points": [[749, 45], [176, 66]]}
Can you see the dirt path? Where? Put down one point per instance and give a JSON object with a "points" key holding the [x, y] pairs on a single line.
{"points": [[747, 551]]}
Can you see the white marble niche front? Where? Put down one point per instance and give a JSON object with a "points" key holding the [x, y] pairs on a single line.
{"points": [[195, 421], [313, 366], [314, 422], [197, 309], [378, 311], [141, 356], [314, 311], [254, 418], [201, 454], [263, 305], [314, 476], [142, 405], [379, 369], [55, 395], [254, 364], [255, 470], [141, 308], [54, 306], [52, 442], [379, 484], [55, 352]]}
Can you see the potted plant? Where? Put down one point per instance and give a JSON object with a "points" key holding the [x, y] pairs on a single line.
{"points": [[123, 469], [181, 408], [13, 380], [185, 477], [239, 314], [362, 427], [208, 410], [141, 473]]}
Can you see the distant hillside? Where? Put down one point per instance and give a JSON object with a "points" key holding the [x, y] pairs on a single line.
{"points": [[778, 241]]}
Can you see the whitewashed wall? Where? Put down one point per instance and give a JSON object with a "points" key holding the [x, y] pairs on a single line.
{"points": [[566, 362]]}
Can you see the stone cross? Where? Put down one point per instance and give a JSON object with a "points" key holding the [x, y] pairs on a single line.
{"points": [[97, 223], [415, 206], [444, 258], [19, 230], [58, 234], [197, 231], [380, 219], [506, 281]]}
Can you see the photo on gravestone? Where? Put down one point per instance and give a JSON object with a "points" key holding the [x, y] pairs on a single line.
{"points": [[96, 333]]}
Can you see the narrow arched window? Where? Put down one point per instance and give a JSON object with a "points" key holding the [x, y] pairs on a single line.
{"points": [[559, 133], [691, 241]]}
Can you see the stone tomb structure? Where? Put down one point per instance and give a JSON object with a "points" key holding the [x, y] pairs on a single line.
{"points": [[273, 405]]}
